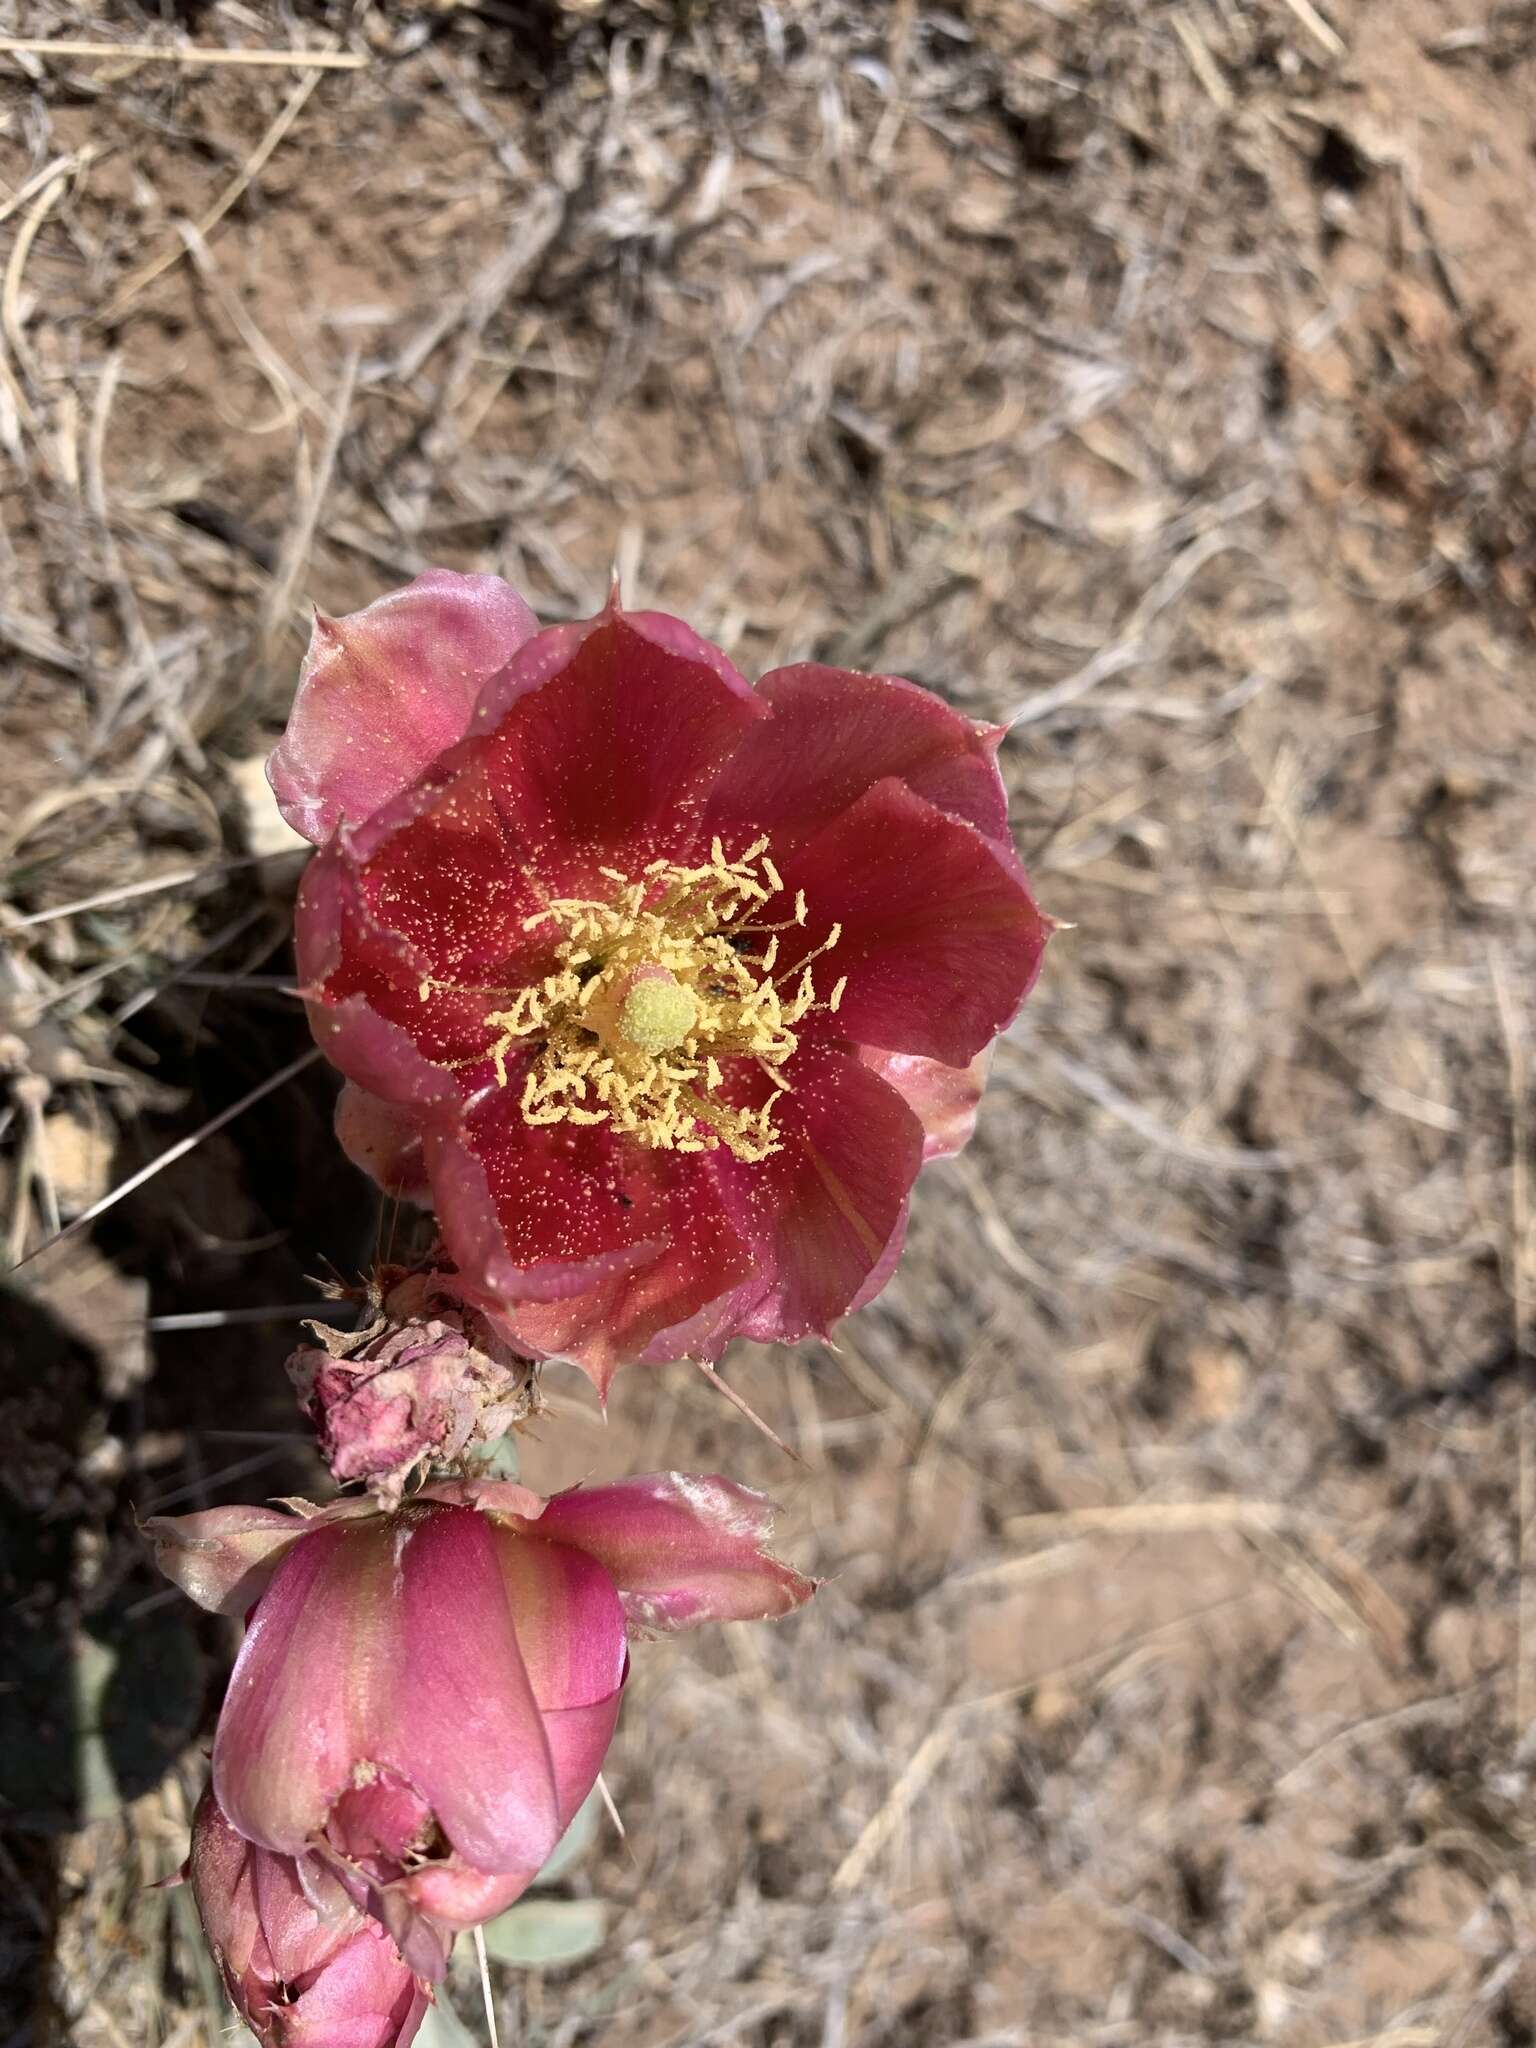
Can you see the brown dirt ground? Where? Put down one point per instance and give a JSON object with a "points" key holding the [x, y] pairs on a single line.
{"points": [[1157, 376]]}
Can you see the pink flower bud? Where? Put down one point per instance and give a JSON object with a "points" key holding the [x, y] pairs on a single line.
{"points": [[425, 1696], [425, 1381], [303, 1967]]}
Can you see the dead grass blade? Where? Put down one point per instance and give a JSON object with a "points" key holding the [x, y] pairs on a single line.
{"points": [[189, 54], [1521, 1257], [230, 196]]}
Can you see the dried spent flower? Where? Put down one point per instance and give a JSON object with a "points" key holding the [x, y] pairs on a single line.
{"points": [[422, 1383], [304, 1968]]}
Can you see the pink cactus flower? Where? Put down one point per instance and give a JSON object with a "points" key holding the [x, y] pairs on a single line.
{"points": [[660, 987], [424, 1697], [302, 1966], [422, 1382]]}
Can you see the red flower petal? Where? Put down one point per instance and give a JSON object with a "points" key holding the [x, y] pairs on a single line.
{"points": [[706, 1333], [385, 690], [604, 740], [473, 1232], [588, 1245], [682, 1548], [363, 986], [448, 869], [941, 939], [821, 1212], [593, 749], [834, 734]]}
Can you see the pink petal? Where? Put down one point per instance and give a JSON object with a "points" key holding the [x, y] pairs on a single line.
{"points": [[941, 939], [300, 1939], [381, 1820], [223, 1557], [570, 1629], [385, 690], [389, 1641], [834, 734], [458, 1716], [450, 1895], [424, 1943], [299, 1710], [296, 1973], [503, 1498], [822, 1212], [682, 1548], [365, 1997], [944, 1099], [384, 1139], [219, 1869]]}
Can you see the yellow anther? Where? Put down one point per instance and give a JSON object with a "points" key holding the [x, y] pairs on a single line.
{"points": [[651, 992]]}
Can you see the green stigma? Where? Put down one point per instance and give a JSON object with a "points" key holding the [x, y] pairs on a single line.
{"points": [[658, 1012]]}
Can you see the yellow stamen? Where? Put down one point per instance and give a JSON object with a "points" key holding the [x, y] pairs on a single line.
{"points": [[651, 989]]}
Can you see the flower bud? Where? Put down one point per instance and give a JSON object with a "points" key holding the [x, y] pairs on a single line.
{"points": [[424, 1696], [302, 1966]]}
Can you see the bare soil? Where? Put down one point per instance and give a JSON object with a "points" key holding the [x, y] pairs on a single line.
{"points": [[1159, 378]]}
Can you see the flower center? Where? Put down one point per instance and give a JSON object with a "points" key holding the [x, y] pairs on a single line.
{"points": [[652, 988], [658, 1010]]}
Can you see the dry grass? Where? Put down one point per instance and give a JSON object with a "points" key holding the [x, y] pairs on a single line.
{"points": [[1153, 377]]}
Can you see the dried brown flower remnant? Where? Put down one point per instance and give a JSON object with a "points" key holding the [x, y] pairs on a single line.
{"points": [[423, 1383]]}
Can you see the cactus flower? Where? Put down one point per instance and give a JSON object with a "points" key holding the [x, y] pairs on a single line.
{"points": [[302, 1966], [424, 1697], [661, 988]]}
